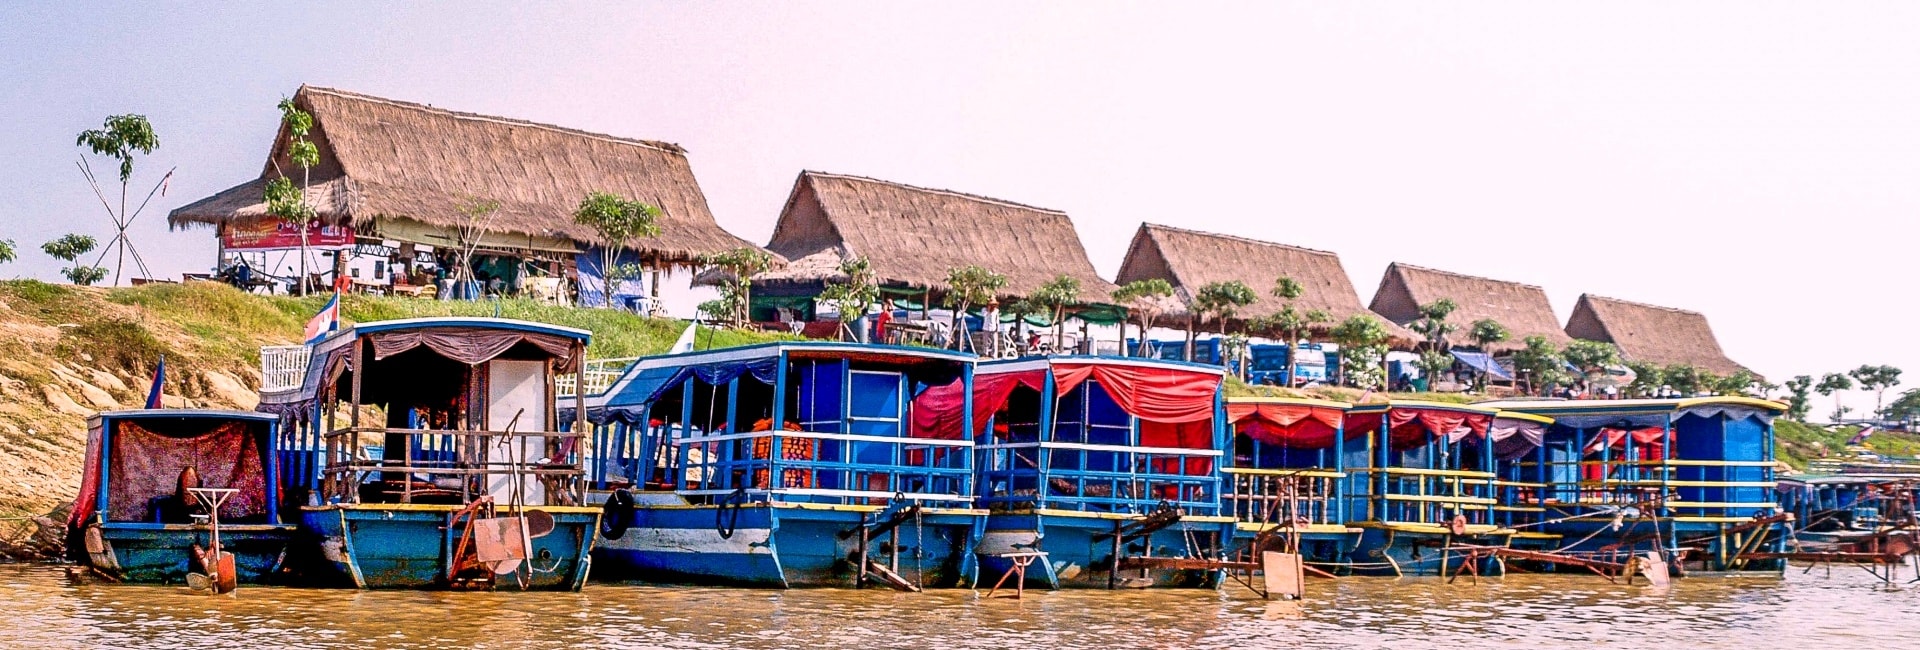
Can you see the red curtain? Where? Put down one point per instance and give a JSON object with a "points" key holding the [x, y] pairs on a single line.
{"points": [[937, 410], [1412, 427], [1152, 394], [1298, 426]]}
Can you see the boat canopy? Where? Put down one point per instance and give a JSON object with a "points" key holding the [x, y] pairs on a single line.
{"points": [[135, 459], [466, 341], [1168, 397], [1633, 414], [1289, 422], [647, 380]]}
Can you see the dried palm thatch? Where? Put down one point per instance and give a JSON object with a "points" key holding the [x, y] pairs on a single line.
{"points": [[912, 236], [383, 161], [1650, 334], [1190, 259], [1522, 308]]}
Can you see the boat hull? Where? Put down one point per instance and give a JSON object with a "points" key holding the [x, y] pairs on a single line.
{"points": [[786, 546], [158, 553], [1326, 547], [1079, 550], [1714, 545], [412, 546], [1391, 550]]}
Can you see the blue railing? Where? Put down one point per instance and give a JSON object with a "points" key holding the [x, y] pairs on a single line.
{"points": [[1099, 478]]}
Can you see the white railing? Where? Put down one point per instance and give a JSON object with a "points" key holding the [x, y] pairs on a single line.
{"points": [[599, 376], [283, 367]]}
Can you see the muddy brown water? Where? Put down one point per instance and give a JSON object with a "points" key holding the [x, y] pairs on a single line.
{"points": [[45, 609]]}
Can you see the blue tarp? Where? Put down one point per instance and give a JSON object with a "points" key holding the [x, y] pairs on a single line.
{"points": [[1482, 362], [593, 287]]}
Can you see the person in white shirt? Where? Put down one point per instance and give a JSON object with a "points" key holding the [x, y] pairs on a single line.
{"points": [[990, 324]]}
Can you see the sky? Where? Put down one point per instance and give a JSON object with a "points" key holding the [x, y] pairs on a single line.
{"points": [[1757, 162]]}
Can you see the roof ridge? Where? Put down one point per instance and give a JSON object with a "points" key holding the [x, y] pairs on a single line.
{"points": [[477, 117], [1456, 274], [916, 188], [1250, 240], [1589, 296]]}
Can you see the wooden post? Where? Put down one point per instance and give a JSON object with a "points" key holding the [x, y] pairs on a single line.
{"points": [[580, 398], [1113, 568]]}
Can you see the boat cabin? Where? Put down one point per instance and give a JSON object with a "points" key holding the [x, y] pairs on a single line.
{"points": [[1289, 461], [138, 463], [1433, 464]]}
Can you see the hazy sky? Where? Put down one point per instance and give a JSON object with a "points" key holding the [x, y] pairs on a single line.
{"points": [[1754, 161]]}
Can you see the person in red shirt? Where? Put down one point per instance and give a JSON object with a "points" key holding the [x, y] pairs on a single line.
{"points": [[880, 322]]}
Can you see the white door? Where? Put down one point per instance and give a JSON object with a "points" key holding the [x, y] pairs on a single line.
{"points": [[516, 388]]}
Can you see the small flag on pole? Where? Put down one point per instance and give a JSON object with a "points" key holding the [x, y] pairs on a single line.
{"points": [[159, 379], [326, 321]]}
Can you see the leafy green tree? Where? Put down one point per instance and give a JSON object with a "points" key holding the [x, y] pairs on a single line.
{"points": [[6, 251], [1649, 380], [1877, 379], [1741, 382], [287, 202], [968, 286], [69, 248], [1223, 301], [120, 137], [1591, 357], [1688, 380], [1904, 407], [1433, 364], [1541, 364], [852, 298], [617, 220], [1363, 349], [1433, 324], [1144, 300], [742, 263], [1292, 323], [1798, 399], [1486, 332], [1056, 296], [1833, 384]]}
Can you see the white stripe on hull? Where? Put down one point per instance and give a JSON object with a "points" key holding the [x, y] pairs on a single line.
{"points": [[693, 540]]}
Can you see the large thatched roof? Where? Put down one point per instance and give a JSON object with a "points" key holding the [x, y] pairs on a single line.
{"points": [[384, 159], [912, 236], [1650, 334], [1190, 259], [1522, 308]]}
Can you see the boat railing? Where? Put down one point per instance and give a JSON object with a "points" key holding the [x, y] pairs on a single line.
{"points": [[283, 367], [596, 376], [1431, 496], [437, 465], [825, 467], [1683, 487], [1099, 478], [1282, 497]]}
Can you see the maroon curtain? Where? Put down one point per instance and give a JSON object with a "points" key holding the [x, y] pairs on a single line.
{"points": [[147, 465]]}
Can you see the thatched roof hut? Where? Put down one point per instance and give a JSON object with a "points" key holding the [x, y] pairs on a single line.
{"points": [[1650, 334], [399, 170], [1522, 308], [1190, 259], [912, 236]]}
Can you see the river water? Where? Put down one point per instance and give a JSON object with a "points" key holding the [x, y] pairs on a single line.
{"points": [[43, 608]]}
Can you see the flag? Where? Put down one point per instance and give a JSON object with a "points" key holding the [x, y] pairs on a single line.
{"points": [[326, 321], [685, 342], [159, 378]]}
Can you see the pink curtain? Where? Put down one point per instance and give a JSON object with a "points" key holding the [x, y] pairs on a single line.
{"points": [[147, 465]]}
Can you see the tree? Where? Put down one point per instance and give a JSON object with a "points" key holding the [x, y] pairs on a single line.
{"points": [[1649, 380], [1741, 382], [1486, 332], [1433, 324], [1056, 296], [1688, 380], [1798, 398], [1904, 407], [1363, 348], [742, 263], [1292, 323], [968, 286], [1591, 357], [1832, 384], [120, 137], [616, 220], [69, 248], [6, 251], [1540, 363], [476, 219], [283, 199], [1222, 300], [1434, 363], [1145, 300], [852, 299], [1877, 379]]}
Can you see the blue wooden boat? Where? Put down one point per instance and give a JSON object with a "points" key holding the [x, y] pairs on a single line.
{"points": [[1107, 466], [134, 523], [1429, 485], [467, 483], [872, 480], [1691, 478], [1287, 477]]}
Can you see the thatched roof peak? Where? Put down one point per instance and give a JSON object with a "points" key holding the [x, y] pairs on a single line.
{"points": [[1191, 259], [387, 163], [913, 235], [1522, 308], [1650, 333]]}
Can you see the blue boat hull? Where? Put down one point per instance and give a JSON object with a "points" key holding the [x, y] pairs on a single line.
{"points": [[1080, 551], [158, 553], [784, 546], [411, 547], [1387, 551], [1714, 554]]}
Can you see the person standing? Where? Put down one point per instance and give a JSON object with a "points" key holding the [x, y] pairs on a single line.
{"points": [[990, 324]]}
